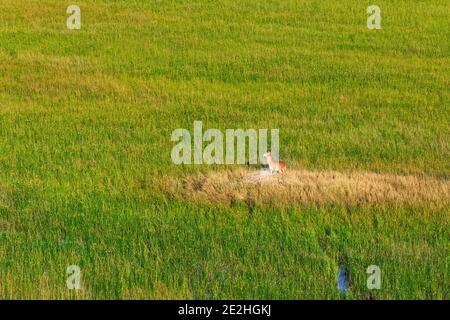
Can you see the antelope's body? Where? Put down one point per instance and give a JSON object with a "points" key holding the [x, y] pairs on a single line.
{"points": [[274, 166]]}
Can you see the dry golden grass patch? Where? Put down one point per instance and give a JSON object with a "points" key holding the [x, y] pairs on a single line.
{"points": [[310, 187]]}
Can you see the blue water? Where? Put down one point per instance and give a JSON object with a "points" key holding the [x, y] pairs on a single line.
{"points": [[342, 280]]}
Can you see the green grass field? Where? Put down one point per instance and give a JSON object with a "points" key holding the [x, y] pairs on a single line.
{"points": [[85, 123]]}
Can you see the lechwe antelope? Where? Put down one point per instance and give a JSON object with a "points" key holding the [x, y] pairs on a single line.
{"points": [[274, 166]]}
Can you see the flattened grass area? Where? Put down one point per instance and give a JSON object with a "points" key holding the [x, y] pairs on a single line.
{"points": [[85, 123]]}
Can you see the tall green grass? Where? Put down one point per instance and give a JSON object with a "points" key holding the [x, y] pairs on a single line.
{"points": [[85, 123]]}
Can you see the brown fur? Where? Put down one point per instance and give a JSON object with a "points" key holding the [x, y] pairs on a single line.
{"points": [[280, 166]]}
